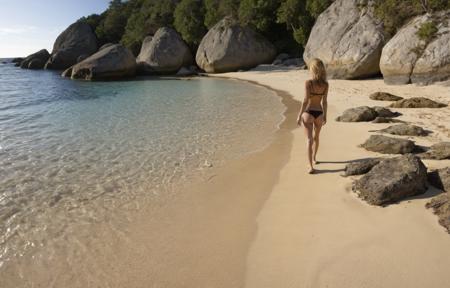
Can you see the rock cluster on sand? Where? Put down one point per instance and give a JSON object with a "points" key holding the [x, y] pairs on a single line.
{"points": [[284, 59], [348, 39], [438, 151], [393, 180], [440, 179], [405, 130], [36, 60], [407, 58], [360, 167], [78, 39], [417, 102], [386, 120], [388, 145], [164, 53], [384, 96], [112, 62], [230, 47], [365, 114], [441, 207]]}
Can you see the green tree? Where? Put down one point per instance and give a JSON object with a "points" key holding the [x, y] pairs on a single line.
{"points": [[216, 10], [147, 17], [259, 14], [189, 21], [112, 26]]}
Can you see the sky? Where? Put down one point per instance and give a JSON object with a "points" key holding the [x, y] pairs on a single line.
{"points": [[27, 26]]}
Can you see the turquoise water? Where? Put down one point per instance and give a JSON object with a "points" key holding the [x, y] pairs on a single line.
{"points": [[74, 153]]}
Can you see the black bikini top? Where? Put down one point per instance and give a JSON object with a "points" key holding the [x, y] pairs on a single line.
{"points": [[316, 94]]}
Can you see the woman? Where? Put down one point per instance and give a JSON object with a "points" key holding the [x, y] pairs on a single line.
{"points": [[313, 114]]}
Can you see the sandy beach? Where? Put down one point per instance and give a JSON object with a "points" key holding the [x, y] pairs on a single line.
{"points": [[314, 232]]}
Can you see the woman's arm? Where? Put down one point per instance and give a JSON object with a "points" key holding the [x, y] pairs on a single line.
{"points": [[304, 103], [325, 105]]}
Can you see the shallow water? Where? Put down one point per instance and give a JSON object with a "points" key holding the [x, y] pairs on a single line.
{"points": [[76, 153]]}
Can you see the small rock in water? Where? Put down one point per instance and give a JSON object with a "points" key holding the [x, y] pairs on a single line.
{"points": [[405, 130], [389, 145], [393, 180], [417, 102], [360, 167], [441, 207], [384, 96]]}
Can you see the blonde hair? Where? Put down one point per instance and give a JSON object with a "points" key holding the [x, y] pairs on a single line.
{"points": [[318, 71]]}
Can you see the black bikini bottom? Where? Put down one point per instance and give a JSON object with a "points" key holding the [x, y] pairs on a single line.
{"points": [[314, 113]]}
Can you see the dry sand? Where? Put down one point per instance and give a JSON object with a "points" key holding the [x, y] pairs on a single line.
{"points": [[314, 232]]}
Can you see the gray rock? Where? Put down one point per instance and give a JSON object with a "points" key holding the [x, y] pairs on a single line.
{"points": [[358, 114], [384, 96], [17, 60], [112, 62], [230, 47], [405, 130], [406, 58], [280, 58], [78, 39], [386, 120], [393, 180], [186, 71], [440, 179], [441, 207], [417, 102], [360, 167], [439, 151], [388, 145], [41, 55], [348, 39], [82, 57], [164, 53], [297, 62], [105, 46], [36, 64], [385, 112]]}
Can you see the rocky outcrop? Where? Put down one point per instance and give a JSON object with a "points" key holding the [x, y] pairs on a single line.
{"points": [[388, 145], [36, 58], [439, 151], [417, 102], [113, 62], [440, 179], [365, 114], [393, 180], [348, 39], [384, 96], [386, 120], [230, 47], [78, 39], [407, 58], [360, 167], [17, 61], [441, 207], [405, 130], [164, 53]]}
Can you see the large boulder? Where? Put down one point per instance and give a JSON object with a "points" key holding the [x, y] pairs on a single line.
{"points": [[360, 167], [164, 53], [408, 59], [388, 145], [41, 55], [384, 96], [358, 114], [230, 47], [348, 39], [438, 151], [112, 62], [441, 207], [417, 102], [440, 179], [78, 39], [393, 180], [365, 114], [405, 130]]}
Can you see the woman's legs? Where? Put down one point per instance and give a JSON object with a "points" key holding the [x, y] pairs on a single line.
{"points": [[318, 122], [308, 124]]}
